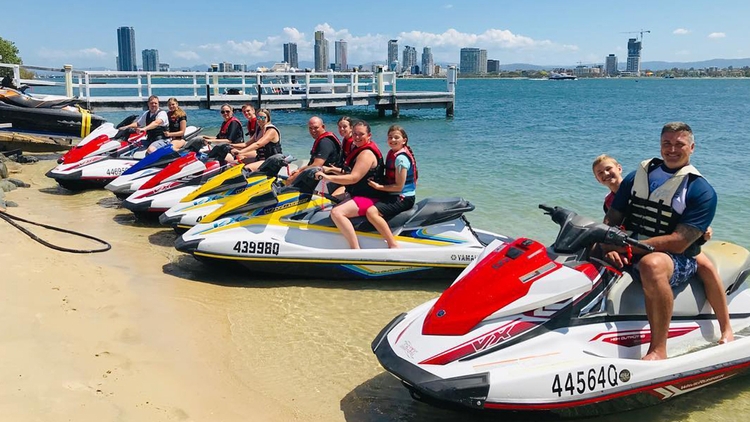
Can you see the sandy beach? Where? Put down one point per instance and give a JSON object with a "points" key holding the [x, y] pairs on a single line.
{"points": [[143, 332]]}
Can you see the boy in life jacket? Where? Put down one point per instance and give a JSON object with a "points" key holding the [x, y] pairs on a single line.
{"points": [[400, 184]]}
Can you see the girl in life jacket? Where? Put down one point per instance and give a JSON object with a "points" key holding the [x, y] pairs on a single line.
{"points": [[400, 184], [365, 162], [347, 141]]}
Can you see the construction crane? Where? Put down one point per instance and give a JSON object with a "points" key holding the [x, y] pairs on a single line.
{"points": [[641, 32]]}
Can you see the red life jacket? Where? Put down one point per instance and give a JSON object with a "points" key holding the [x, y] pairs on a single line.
{"points": [[320, 138], [362, 188], [348, 146], [390, 167], [225, 127]]}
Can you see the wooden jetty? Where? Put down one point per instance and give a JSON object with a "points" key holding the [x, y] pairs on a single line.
{"points": [[117, 90]]}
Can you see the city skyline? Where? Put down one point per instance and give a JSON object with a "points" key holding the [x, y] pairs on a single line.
{"points": [[510, 32]]}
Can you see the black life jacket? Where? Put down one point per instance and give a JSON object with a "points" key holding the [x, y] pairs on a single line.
{"points": [[362, 188], [314, 149], [271, 148], [155, 133], [390, 168]]}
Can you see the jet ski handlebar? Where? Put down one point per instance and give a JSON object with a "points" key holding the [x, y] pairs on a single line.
{"points": [[578, 232]]}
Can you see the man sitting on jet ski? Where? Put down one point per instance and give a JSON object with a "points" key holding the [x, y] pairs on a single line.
{"points": [[363, 163], [154, 122], [672, 205], [326, 149]]}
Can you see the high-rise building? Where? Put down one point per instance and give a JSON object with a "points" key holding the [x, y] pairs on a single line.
{"points": [[428, 65], [493, 66], [225, 67], [393, 56], [321, 52], [340, 62], [126, 49], [163, 67], [410, 60], [150, 60], [290, 54], [473, 61], [633, 65], [610, 65]]}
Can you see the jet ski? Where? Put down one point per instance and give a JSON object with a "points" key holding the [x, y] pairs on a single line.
{"points": [[219, 190], [98, 162], [549, 330], [46, 115], [289, 231], [135, 174]]}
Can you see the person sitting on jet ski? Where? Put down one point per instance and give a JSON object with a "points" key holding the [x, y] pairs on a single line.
{"points": [[177, 119], [154, 122], [265, 143], [675, 228], [231, 132], [363, 163], [400, 183], [608, 172], [326, 149]]}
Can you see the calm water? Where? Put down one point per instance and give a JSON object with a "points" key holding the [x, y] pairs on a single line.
{"points": [[512, 145]]}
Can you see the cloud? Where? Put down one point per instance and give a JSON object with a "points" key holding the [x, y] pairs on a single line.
{"points": [[187, 55], [84, 53], [372, 47], [681, 31], [448, 6], [717, 35]]}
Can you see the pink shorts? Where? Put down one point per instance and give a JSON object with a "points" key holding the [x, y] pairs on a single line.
{"points": [[363, 203]]}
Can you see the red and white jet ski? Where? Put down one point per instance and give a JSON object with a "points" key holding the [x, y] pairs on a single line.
{"points": [[526, 328]]}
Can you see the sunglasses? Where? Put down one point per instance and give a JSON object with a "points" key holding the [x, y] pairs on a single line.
{"points": [[225, 111], [262, 117]]}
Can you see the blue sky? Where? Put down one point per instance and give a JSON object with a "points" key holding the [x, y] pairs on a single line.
{"points": [[186, 32]]}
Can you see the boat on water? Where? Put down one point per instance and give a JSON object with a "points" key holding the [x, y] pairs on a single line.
{"points": [[554, 76], [49, 115]]}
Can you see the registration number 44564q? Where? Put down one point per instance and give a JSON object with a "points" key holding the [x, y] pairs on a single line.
{"points": [[581, 382], [256, 248]]}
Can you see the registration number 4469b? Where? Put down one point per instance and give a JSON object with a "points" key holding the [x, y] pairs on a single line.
{"points": [[581, 382], [256, 248]]}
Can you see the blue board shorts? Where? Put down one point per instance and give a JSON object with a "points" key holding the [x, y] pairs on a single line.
{"points": [[684, 268]]}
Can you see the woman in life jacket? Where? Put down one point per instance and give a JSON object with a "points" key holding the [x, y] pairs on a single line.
{"points": [[177, 120], [345, 125], [400, 184], [231, 132], [265, 143], [364, 162]]}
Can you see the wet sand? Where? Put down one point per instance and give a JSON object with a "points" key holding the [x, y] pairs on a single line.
{"points": [[143, 332]]}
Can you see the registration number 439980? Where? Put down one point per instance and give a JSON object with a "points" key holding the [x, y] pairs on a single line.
{"points": [[581, 382], [256, 248]]}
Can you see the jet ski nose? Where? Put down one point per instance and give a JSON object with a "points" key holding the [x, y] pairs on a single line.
{"points": [[169, 220], [188, 246], [137, 206]]}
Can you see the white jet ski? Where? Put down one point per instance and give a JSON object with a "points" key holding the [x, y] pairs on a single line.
{"points": [[288, 231], [549, 330]]}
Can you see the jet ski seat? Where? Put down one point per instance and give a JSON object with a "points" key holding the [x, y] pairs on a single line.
{"points": [[731, 261]]}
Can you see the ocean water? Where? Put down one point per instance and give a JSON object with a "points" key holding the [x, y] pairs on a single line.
{"points": [[514, 144]]}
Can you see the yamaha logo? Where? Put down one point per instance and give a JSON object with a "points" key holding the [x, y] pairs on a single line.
{"points": [[440, 313]]}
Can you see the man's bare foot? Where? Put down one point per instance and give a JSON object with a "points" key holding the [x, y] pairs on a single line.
{"points": [[654, 356], [726, 337]]}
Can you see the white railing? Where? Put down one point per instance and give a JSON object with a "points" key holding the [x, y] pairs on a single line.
{"points": [[90, 84]]}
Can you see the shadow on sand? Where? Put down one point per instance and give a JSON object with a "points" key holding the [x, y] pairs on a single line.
{"points": [[228, 273], [383, 399]]}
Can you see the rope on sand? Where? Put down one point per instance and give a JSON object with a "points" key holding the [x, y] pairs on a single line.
{"points": [[9, 218]]}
